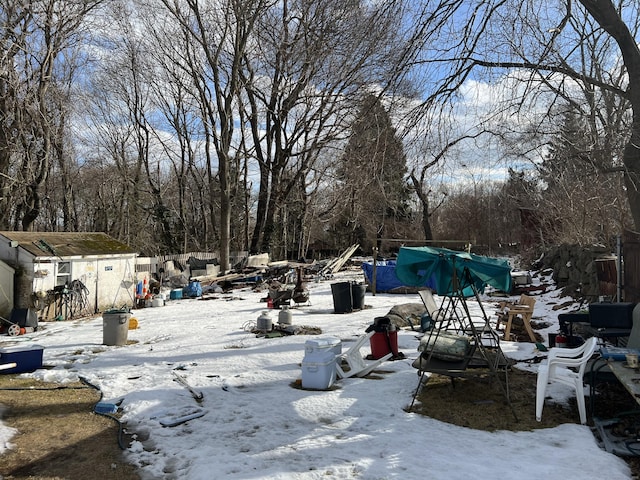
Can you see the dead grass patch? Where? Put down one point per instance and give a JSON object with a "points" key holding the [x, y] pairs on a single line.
{"points": [[479, 402], [59, 436]]}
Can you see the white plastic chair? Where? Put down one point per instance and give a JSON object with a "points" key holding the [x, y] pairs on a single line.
{"points": [[565, 365], [429, 302], [358, 366]]}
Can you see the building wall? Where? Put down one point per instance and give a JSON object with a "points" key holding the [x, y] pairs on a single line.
{"points": [[115, 283], [108, 281], [22, 263], [6, 289]]}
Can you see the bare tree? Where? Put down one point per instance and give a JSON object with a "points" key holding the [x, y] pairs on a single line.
{"points": [[132, 71], [119, 149], [215, 37], [552, 53], [36, 35], [15, 18], [173, 97], [421, 180], [307, 62], [579, 203]]}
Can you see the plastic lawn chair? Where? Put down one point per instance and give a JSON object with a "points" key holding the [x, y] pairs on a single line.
{"points": [[358, 366], [565, 365]]}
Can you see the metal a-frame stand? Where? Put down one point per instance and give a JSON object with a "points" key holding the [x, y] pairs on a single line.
{"points": [[484, 351]]}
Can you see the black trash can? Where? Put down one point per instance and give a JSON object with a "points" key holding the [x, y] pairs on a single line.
{"points": [[342, 300], [357, 295]]}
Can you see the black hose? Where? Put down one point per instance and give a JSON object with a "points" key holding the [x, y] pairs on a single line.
{"points": [[115, 419]]}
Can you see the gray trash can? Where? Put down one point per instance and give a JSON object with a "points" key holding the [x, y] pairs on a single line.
{"points": [[115, 327]]}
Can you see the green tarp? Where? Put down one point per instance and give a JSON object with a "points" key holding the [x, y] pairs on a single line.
{"points": [[417, 264]]}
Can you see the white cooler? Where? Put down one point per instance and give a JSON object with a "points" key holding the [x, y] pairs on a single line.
{"points": [[319, 370], [322, 345]]}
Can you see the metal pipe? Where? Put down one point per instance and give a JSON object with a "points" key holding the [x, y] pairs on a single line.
{"points": [[619, 268]]}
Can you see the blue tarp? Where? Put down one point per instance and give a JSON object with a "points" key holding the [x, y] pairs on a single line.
{"points": [[193, 289], [386, 279], [416, 264]]}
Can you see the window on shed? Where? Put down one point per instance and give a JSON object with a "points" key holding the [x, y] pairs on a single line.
{"points": [[63, 277]]}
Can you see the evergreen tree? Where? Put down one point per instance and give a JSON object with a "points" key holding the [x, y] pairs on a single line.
{"points": [[372, 171]]}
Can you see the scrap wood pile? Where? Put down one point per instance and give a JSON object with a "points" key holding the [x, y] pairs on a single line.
{"points": [[282, 280]]}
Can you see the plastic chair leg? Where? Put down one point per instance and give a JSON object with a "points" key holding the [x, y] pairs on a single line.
{"points": [[541, 390], [582, 409]]}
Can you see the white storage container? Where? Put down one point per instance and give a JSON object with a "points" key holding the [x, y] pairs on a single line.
{"points": [[319, 373], [157, 302], [322, 345]]}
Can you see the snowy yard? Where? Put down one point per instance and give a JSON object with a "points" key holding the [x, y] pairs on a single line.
{"points": [[257, 425]]}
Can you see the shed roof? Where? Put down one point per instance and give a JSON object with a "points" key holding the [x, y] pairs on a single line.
{"points": [[68, 244]]}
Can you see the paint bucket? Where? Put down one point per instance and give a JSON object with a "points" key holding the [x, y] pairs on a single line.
{"points": [[157, 302]]}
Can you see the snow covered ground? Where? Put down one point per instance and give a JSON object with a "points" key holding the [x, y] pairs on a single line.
{"points": [[256, 425]]}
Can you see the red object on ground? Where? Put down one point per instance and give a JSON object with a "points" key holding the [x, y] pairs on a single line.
{"points": [[383, 343]]}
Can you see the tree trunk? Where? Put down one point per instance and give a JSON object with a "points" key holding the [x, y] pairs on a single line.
{"points": [[424, 202], [631, 159], [261, 211], [610, 19]]}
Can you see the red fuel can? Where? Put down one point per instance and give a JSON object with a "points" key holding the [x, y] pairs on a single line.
{"points": [[561, 341]]}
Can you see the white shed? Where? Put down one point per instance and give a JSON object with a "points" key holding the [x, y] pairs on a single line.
{"points": [[67, 274]]}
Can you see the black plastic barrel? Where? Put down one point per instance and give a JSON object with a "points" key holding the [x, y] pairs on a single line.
{"points": [[357, 295], [342, 300]]}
